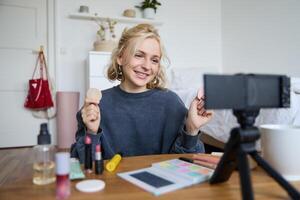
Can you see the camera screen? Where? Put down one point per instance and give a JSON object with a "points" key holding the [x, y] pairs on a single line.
{"points": [[246, 91]]}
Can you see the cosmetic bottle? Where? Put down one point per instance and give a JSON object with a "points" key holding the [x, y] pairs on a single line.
{"points": [[88, 159], [43, 166], [63, 185], [99, 165], [113, 163]]}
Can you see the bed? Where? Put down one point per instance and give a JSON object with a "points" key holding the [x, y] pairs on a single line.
{"points": [[186, 81]]}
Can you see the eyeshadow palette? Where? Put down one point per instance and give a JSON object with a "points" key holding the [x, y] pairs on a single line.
{"points": [[166, 176]]}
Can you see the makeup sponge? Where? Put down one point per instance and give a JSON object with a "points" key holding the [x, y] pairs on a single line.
{"points": [[94, 95]]}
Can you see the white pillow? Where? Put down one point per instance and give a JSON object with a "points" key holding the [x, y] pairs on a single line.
{"points": [[186, 78], [295, 84], [186, 95]]}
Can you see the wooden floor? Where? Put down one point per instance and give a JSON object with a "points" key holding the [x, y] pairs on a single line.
{"points": [[11, 162]]}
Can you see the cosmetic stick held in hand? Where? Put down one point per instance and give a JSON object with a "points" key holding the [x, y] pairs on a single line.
{"points": [[200, 94]]}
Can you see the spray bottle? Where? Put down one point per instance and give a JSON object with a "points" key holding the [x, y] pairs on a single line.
{"points": [[44, 166]]}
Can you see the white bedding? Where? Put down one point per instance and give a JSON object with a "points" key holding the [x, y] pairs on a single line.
{"points": [[223, 121]]}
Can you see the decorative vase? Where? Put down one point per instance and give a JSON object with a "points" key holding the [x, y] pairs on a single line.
{"points": [[149, 13], [67, 105], [104, 45]]}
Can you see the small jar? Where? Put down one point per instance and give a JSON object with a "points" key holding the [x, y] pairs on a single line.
{"points": [[129, 13]]}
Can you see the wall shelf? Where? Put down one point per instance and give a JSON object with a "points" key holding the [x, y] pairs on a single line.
{"points": [[87, 16]]}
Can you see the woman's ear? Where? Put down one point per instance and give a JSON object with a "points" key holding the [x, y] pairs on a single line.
{"points": [[119, 60]]}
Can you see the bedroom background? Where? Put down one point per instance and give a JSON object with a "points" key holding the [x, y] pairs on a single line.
{"points": [[219, 36]]}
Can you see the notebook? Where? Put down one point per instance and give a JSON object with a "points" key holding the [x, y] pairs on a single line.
{"points": [[167, 176]]}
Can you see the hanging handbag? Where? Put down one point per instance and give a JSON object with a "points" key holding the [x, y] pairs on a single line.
{"points": [[39, 95]]}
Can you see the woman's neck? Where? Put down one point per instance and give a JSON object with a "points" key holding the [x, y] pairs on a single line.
{"points": [[131, 89]]}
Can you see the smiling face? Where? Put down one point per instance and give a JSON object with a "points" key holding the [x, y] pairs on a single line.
{"points": [[142, 67]]}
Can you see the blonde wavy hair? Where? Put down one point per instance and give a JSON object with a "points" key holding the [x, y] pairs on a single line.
{"points": [[127, 46]]}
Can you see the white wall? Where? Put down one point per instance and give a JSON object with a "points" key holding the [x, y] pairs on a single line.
{"points": [[261, 36], [191, 33], [230, 36]]}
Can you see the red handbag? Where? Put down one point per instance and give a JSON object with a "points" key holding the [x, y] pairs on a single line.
{"points": [[39, 95]]}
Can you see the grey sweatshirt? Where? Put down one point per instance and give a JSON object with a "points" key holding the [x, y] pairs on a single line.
{"points": [[134, 124]]}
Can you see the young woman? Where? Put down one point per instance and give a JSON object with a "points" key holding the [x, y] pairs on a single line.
{"points": [[140, 116]]}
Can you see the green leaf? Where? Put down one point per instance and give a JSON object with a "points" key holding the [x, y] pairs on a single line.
{"points": [[149, 4]]}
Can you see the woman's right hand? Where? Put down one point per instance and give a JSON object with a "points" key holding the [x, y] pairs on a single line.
{"points": [[91, 116]]}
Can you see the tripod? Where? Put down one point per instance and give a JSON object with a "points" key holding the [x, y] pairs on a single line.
{"points": [[242, 142]]}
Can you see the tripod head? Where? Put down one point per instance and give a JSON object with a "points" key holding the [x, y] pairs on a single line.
{"points": [[246, 118], [247, 134]]}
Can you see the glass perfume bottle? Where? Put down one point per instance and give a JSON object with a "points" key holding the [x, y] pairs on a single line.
{"points": [[44, 165]]}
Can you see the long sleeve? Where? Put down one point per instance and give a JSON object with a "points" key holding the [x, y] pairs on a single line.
{"points": [[134, 124], [185, 143]]}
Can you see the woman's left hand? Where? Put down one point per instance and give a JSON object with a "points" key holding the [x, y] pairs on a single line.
{"points": [[197, 115]]}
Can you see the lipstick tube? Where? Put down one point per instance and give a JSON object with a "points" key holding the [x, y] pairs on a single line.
{"points": [[98, 160], [88, 159]]}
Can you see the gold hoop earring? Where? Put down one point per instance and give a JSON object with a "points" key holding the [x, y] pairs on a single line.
{"points": [[120, 73], [155, 81]]}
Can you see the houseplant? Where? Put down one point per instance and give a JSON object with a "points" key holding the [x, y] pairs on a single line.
{"points": [[149, 8], [105, 35]]}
